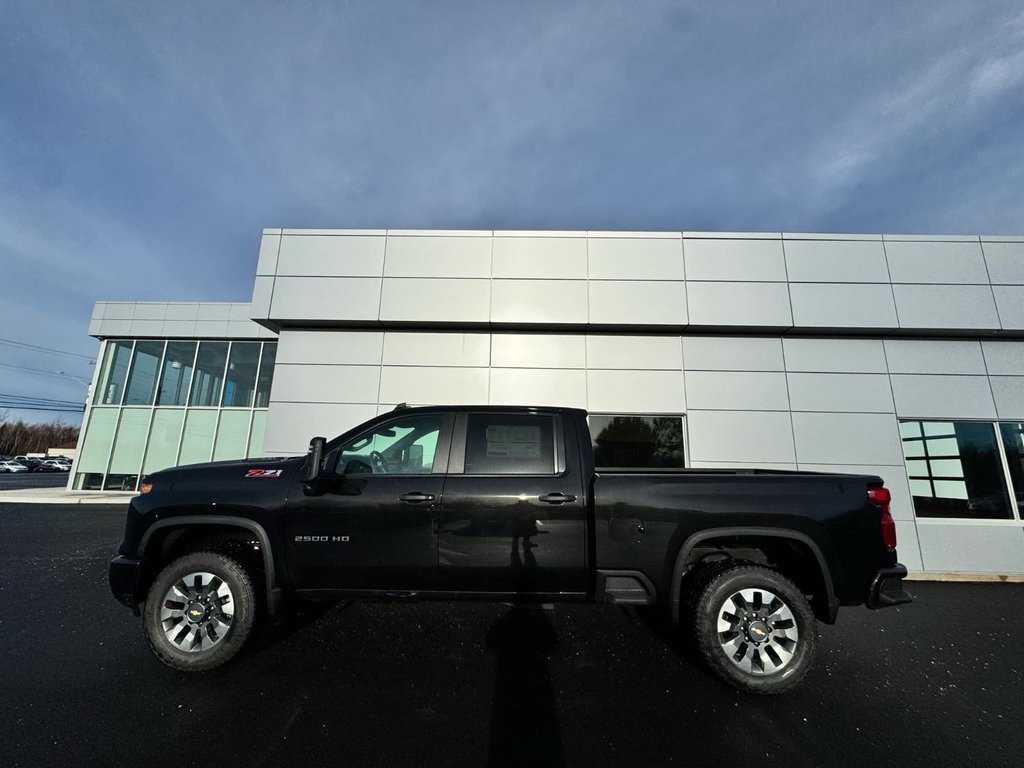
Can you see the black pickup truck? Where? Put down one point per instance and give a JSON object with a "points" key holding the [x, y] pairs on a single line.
{"points": [[504, 503]]}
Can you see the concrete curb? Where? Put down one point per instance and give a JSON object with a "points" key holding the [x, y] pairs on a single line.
{"points": [[1006, 578], [108, 499]]}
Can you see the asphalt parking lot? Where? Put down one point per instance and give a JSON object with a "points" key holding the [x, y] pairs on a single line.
{"points": [[433, 684], [10, 481]]}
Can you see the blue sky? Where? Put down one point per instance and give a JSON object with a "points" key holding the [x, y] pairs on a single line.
{"points": [[144, 145]]}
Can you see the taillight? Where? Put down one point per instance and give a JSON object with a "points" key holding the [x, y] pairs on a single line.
{"points": [[880, 496]]}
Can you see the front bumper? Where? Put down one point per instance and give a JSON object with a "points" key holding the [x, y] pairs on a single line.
{"points": [[125, 578], [887, 588]]}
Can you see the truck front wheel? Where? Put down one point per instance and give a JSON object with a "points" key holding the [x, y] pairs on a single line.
{"points": [[755, 629], [199, 612]]}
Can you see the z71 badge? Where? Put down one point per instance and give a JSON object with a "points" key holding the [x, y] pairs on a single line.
{"points": [[264, 473]]}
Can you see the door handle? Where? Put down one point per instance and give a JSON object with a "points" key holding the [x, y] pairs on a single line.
{"points": [[556, 498], [416, 497]]}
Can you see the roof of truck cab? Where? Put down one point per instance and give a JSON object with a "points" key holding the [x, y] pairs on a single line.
{"points": [[485, 408]]}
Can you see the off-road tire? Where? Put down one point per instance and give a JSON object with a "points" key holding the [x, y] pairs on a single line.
{"points": [[243, 615], [717, 589]]}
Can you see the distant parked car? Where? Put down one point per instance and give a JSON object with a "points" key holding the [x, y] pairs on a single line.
{"points": [[56, 465], [41, 465], [12, 466]]}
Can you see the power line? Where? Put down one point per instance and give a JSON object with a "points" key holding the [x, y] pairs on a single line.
{"points": [[36, 400], [51, 350], [40, 371], [40, 400], [30, 407], [12, 399], [35, 397], [18, 407]]}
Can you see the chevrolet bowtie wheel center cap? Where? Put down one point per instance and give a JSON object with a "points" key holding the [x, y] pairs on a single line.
{"points": [[757, 631], [197, 612]]}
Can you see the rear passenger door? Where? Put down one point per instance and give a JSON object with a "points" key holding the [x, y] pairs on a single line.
{"points": [[513, 513]]}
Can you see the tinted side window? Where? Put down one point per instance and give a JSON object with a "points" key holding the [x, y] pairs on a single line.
{"points": [[647, 442], [510, 444]]}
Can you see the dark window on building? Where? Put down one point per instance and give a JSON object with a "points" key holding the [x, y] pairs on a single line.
{"points": [[142, 378], [209, 375], [241, 374], [955, 469], [510, 444], [637, 442], [115, 368], [1013, 442], [90, 481], [266, 374], [121, 483], [177, 373]]}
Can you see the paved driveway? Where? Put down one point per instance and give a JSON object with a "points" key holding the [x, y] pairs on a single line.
{"points": [[935, 683], [15, 480]]}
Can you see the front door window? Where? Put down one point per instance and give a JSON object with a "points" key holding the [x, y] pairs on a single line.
{"points": [[399, 447]]}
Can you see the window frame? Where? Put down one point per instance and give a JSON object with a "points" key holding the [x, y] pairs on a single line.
{"points": [[457, 462], [1014, 507]]}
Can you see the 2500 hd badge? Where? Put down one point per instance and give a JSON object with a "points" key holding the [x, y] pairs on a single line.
{"points": [[322, 538]]}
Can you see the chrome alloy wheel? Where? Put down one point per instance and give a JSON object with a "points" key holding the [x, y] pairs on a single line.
{"points": [[197, 612], [757, 631]]}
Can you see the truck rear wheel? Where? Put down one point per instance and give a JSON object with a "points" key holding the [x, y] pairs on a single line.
{"points": [[199, 612], [755, 629]]}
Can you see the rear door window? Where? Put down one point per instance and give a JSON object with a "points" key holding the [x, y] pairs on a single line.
{"points": [[510, 444]]}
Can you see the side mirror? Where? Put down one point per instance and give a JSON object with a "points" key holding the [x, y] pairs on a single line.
{"points": [[315, 458]]}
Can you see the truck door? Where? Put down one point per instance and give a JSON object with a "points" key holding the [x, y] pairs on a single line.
{"points": [[371, 523], [513, 516]]}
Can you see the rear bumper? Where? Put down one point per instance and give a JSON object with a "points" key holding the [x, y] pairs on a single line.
{"points": [[124, 580], [887, 588]]}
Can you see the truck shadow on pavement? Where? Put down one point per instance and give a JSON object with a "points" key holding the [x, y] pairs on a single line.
{"points": [[524, 724], [292, 619], [675, 637], [524, 719]]}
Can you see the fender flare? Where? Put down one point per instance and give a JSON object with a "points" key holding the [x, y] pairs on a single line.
{"points": [[185, 521], [779, 533]]}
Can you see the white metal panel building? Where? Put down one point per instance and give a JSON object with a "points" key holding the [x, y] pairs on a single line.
{"points": [[898, 355]]}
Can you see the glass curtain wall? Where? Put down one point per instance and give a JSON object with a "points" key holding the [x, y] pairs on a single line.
{"points": [[161, 404]]}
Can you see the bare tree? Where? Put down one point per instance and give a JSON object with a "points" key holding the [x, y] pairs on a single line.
{"points": [[17, 437]]}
